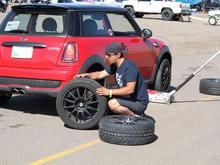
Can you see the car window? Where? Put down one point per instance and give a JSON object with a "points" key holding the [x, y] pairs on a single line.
{"points": [[47, 23], [34, 23], [94, 24], [121, 25]]}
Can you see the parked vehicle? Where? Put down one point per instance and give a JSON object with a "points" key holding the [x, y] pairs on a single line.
{"points": [[114, 3], [214, 17], [211, 4], [194, 4], [3, 5], [169, 10], [43, 46]]}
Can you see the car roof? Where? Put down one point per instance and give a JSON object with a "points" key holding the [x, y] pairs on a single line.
{"points": [[66, 6]]}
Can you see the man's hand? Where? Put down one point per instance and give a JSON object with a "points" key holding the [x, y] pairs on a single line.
{"points": [[103, 91], [83, 75]]}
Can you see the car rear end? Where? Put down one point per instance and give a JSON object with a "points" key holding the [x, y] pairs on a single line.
{"points": [[34, 55]]}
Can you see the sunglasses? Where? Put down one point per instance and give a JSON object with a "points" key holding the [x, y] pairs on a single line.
{"points": [[110, 54]]}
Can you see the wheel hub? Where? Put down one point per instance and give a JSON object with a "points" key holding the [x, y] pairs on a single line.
{"points": [[80, 105]]}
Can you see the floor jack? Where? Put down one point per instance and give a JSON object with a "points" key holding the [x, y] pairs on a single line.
{"points": [[168, 97]]}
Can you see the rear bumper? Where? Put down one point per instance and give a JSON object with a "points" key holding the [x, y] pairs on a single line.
{"points": [[28, 91], [186, 12], [31, 81]]}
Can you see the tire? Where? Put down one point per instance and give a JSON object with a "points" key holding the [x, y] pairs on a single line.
{"points": [[198, 8], [127, 130], [163, 76], [176, 17], [167, 14], [78, 104], [4, 97], [212, 20], [139, 15], [210, 86], [130, 10]]}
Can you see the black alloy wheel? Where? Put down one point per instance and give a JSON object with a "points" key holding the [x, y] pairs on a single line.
{"points": [[78, 104], [163, 77]]}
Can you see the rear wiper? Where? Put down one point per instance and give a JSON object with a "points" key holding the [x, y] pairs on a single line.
{"points": [[17, 31]]}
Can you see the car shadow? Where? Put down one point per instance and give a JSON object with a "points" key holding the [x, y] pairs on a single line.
{"points": [[196, 101], [35, 104], [153, 18]]}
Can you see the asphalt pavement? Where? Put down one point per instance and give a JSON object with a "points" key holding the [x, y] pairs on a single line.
{"points": [[188, 130]]}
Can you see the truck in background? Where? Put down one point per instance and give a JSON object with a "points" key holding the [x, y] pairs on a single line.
{"points": [[194, 4], [202, 5], [169, 10]]}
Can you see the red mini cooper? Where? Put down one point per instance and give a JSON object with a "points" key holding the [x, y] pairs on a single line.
{"points": [[43, 46]]}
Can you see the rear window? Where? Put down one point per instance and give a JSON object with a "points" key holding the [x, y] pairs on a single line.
{"points": [[34, 23]]}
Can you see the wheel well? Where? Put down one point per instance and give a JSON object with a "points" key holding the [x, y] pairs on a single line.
{"points": [[165, 9], [94, 68], [128, 6], [166, 56]]}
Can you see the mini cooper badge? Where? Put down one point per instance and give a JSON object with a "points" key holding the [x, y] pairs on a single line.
{"points": [[23, 39]]}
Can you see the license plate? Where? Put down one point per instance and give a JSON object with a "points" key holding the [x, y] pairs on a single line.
{"points": [[22, 52]]}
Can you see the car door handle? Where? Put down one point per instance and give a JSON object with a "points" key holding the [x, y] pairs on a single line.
{"points": [[155, 44]]}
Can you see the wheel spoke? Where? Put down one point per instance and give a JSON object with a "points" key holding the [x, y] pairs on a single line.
{"points": [[68, 107], [84, 94], [92, 102], [92, 108], [165, 77], [83, 116], [78, 93], [68, 100], [68, 114], [77, 115], [90, 96], [74, 97], [86, 111]]}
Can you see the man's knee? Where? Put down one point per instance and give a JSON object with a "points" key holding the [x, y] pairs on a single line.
{"points": [[113, 104]]}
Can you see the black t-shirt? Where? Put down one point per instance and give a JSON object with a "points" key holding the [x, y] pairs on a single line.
{"points": [[129, 72]]}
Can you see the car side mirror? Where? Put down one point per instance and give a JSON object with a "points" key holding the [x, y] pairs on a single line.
{"points": [[146, 33]]}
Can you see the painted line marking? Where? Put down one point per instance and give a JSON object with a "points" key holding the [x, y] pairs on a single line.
{"points": [[200, 19], [65, 152], [209, 97]]}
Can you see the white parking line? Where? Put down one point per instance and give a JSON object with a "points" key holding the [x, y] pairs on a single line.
{"points": [[197, 18]]}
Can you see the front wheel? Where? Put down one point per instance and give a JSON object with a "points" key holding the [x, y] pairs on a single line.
{"points": [[139, 15], [163, 77], [78, 104], [212, 20], [130, 10], [167, 14]]}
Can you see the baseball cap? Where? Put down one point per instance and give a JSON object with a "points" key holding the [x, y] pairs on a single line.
{"points": [[115, 48]]}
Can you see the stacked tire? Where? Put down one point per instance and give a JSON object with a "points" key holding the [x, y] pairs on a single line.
{"points": [[127, 130]]}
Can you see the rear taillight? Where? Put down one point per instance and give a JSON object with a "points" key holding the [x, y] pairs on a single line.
{"points": [[70, 53]]}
